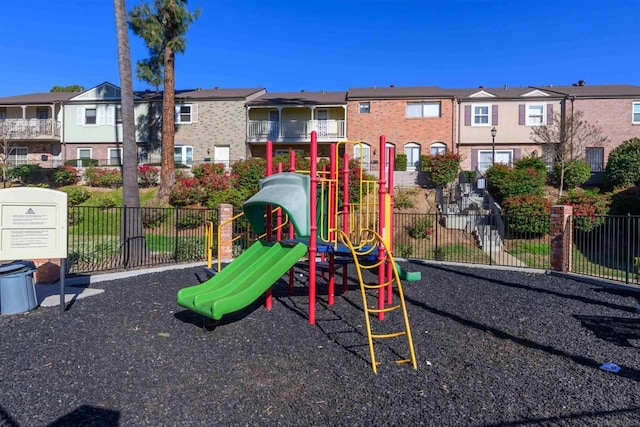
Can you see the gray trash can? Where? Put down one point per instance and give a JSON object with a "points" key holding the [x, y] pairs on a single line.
{"points": [[17, 290]]}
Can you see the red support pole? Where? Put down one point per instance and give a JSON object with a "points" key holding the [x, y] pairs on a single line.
{"points": [[381, 229], [268, 302], [345, 212], [292, 168], [313, 228], [279, 214], [392, 166]]}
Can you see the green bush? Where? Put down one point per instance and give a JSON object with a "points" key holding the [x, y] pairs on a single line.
{"points": [[527, 214], [576, 172], [589, 208], [441, 168], [190, 218], [153, 216], [420, 228], [208, 169], [402, 199], [230, 195], [190, 248], [623, 165], [401, 162], [103, 177], [76, 195], [249, 172], [74, 216], [28, 174], [532, 162], [626, 201], [106, 201], [505, 182]]}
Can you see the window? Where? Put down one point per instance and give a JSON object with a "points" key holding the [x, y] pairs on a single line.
{"points": [[423, 109], [183, 154], [595, 157], [118, 114], [364, 108], [115, 156], [3, 113], [636, 113], [17, 156], [481, 115], [143, 155], [437, 148], [184, 113], [536, 114], [90, 115], [485, 158]]}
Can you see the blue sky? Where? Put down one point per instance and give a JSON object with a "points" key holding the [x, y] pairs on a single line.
{"points": [[335, 44]]}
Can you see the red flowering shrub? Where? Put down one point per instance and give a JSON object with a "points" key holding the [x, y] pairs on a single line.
{"points": [[186, 192], [441, 168], [65, 175], [103, 177], [589, 208], [148, 175]]}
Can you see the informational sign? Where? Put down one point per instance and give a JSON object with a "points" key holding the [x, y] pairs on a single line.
{"points": [[33, 223]]}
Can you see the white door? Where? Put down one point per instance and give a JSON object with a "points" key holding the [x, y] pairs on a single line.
{"points": [[412, 152], [221, 155], [362, 151], [322, 116]]}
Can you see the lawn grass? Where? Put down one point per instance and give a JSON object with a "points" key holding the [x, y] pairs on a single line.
{"points": [[533, 254]]}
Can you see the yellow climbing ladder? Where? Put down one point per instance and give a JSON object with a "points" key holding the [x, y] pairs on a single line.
{"points": [[375, 241]]}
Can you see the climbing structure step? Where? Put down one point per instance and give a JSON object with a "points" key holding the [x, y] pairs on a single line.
{"points": [[362, 256]]}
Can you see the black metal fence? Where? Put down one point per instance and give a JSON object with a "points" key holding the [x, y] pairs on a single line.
{"points": [[606, 247], [97, 240], [468, 238]]}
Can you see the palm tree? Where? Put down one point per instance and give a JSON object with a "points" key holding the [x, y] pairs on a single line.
{"points": [[132, 233]]}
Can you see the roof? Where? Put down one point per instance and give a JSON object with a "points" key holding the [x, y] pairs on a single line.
{"points": [[204, 94], [300, 98], [393, 92], [38, 98], [596, 91]]}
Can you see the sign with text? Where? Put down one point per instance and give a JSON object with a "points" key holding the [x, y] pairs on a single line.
{"points": [[33, 223]]}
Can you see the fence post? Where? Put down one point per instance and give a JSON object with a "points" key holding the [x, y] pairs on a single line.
{"points": [[561, 238], [225, 213], [628, 269]]}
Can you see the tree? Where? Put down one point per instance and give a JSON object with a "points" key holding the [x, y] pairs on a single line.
{"points": [[623, 165], [162, 26], [12, 132], [71, 88], [569, 137], [132, 235]]}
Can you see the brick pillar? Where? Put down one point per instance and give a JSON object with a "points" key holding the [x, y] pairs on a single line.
{"points": [[47, 270], [561, 238], [225, 213]]}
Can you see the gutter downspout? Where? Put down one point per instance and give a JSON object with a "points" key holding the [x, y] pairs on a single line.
{"points": [[457, 116]]}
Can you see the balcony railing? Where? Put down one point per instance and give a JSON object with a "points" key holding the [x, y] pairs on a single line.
{"points": [[295, 130], [29, 128]]}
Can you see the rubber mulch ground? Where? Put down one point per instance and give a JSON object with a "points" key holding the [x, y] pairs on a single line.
{"points": [[494, 347]]}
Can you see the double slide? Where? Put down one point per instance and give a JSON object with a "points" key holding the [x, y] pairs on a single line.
{"points": [[243, 281]]}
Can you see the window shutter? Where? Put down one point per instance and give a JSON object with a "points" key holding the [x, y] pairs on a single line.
{"points": [[494, 115], [111, 115], [549, 114], [521, 114], [467, 115], [176, 114], [474, 159], [194, 113], [102, 113], [80, 117]]}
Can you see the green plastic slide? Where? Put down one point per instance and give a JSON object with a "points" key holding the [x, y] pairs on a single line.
{"points": [[409, 276], [243, 281]]}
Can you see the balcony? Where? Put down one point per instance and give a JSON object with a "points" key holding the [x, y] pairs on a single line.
{"points": [[27, 129], [295, 130]]}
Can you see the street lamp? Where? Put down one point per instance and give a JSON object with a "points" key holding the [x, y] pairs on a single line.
{"points": [[494, 131]]}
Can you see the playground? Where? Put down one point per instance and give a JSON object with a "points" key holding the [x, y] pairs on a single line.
{"points": [[493, 347]]}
